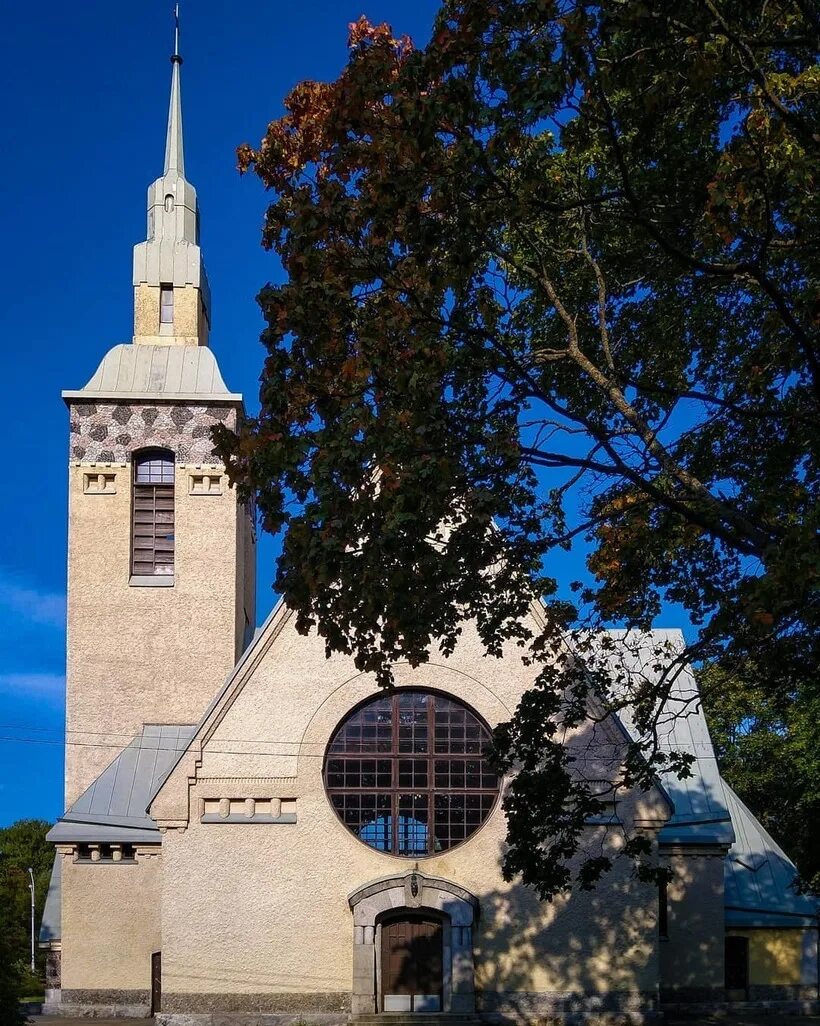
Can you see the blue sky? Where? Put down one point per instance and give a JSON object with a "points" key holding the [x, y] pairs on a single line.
{"points": [[86, 87], [86, 90]]}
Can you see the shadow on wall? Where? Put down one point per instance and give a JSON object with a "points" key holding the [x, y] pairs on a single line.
{"points": [[600, 951]]}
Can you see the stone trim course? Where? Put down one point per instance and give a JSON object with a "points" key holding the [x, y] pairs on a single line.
{"points": [[109, 432]]}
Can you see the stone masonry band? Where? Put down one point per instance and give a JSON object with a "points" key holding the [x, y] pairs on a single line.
{"points": [[110, 432]]}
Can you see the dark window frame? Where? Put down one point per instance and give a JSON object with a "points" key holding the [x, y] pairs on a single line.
{"points": [[412, 780], [166, 304], [153, 513]]}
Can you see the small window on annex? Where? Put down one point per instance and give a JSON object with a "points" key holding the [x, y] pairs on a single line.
{"points": [[166, 304], [407, 773], [152, 527]]}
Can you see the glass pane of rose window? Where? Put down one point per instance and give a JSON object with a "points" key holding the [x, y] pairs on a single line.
{"points": [[413, 824], [413, 722]]}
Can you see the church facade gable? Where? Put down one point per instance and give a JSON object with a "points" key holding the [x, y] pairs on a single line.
{"points": [[253, 841]]}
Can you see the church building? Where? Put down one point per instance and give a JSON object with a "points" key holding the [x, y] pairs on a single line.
{"points": [[254, 829]]}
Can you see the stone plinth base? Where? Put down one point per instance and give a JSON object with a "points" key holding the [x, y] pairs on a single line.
{"points": [[731, 1009], [336, 1004], [524, 1007], [104, 1004], [251, 1018]]}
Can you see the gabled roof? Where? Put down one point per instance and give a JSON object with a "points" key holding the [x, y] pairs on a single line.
{"points": [[700, 813], [759, 876], [149, 372], [114, 807]]}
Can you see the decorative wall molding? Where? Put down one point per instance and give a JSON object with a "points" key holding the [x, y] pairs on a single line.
{"points": [[247, 810], [205, 483], [102, 482]]}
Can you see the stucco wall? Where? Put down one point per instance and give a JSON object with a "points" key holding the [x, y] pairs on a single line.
{"points": [[190, 327], [272, 899], [146, 654], [781, 957], [110, 927], [692, 956]]}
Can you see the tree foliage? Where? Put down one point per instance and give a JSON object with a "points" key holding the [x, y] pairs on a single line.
{"points": [[22, 845], [769, 752], [550, 280]]}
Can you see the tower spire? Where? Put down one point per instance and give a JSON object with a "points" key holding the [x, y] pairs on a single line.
{"points": [[172, 302], [174, 154]]}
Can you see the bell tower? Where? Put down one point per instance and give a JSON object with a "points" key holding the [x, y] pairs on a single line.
{"points": [[161, 553]]}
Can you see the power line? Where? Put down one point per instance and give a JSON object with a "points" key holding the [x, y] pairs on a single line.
{"points": [[180, 751]]}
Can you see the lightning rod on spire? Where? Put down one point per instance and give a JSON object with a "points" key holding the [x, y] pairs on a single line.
{"points": [[176, 30], [174, 159]]}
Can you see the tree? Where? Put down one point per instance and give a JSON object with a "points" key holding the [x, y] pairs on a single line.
{"points": [[22, 845], [10, 985], [551, 280], [770, 754]]}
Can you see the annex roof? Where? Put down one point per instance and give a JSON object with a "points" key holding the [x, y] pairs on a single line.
{"points": [[700, 813], [152, 372], [52, 921], [759, 877], [114, 807]]}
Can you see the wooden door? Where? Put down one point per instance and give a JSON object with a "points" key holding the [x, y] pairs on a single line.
{"points": [[736, 967], [156, 982], [412, 956]]}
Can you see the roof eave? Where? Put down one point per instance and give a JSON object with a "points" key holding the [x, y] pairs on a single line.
{"points": [[80, 395]]}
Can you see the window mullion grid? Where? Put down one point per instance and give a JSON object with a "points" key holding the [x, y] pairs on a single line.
{"points": [[400, 843], [155, 528], [394, 804], [431, 780]]}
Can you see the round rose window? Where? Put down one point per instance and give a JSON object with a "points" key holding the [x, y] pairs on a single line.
{"points": [[407, 775]]}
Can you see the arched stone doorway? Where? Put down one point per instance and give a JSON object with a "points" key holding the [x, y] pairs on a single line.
{"points": [[413, 891]]}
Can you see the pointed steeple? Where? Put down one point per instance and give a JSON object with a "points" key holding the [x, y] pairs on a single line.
{"points": [[172, 302], [174, 154]]}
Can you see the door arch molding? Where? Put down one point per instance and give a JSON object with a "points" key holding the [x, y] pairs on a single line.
{"points": [[414, 891]]}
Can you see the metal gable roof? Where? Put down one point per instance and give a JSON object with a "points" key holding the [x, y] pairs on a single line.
{"points": [[51, 923], [114, 807], [759, 877], [700, 812]]}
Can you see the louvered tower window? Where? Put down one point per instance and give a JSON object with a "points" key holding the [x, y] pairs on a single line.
{"points": [[152, 531]]}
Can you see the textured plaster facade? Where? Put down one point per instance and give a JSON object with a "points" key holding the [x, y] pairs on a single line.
{"points": [[149, 654], [111, 925], [782, 959], [692, 956], [190, 325], [265, 738]]}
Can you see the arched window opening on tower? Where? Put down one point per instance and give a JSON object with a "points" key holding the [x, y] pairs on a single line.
{"points": [[166, 304], [152, 529]]}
